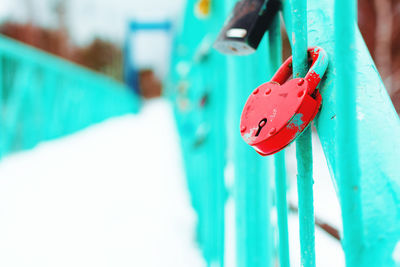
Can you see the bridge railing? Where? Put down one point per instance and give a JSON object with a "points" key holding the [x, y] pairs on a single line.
{"points": [[43, 97], [357, 125]]}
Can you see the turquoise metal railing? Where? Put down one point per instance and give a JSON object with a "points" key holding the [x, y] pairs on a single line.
{"points": [[198, 94], [348, 169], [303, 143], [363, 115], [252, 185], [358, 128], [275, 60], [44, 97]]}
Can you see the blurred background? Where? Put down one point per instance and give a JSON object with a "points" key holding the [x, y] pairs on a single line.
{"points": [[116, 193], [92, 33]]}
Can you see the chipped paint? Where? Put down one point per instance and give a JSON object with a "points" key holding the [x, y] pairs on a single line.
{"points": [[313, 77], [378, 135], [249, 136], [273, 115], [296, 122]]}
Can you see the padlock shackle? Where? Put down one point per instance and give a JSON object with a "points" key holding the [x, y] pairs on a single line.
{"points": [[319, 64]]}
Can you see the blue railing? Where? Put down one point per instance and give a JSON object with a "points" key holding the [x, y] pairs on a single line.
{"points": [[357, 125], [44, 97]]}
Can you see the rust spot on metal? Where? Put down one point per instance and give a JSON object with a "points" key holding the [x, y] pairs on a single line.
{"points": [[233, 49]]}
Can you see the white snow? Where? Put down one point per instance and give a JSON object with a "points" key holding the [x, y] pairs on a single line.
{"points": [[115, 195], [396, 253], [111, 195], [328, 251]]}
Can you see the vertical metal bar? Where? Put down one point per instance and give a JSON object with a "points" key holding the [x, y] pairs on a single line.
{"points": [[201, 127], [48, 98], [15, 104], [281, 204], [215, 113], [275, 60], [303, 144], [250, 170], [29, 112], [348, 162], [212, 73], [378, 151]]}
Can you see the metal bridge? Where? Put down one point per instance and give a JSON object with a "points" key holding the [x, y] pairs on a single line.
{"points": [[357, 125], [44, 97]]}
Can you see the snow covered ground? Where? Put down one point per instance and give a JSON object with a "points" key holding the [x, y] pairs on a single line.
{"points": [[111, 195], [115, 195]]}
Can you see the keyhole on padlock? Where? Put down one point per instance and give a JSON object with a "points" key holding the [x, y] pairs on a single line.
{"points": [[261, 124]]}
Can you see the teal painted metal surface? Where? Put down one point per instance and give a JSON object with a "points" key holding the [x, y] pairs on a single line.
{"points": [[348, 170], [275, 52], [378, 129], [44, 97], [252, 189], [281, 203], [197, 89], [303, 143], [368, 240], [250, 170]]}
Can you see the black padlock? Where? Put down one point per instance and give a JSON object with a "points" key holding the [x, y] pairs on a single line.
{"points": [[245, 27]]}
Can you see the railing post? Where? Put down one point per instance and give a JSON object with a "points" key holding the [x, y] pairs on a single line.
{"points": [[348, 167], [252, 196], [303, 144], [250, 169], [199, 93], [378, 135], [275, 60]]}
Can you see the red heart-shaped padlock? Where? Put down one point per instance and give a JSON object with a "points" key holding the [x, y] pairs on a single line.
{"points": [[279, 111]]}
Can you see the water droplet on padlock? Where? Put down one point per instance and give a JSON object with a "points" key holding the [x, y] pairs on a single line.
{"points": [[300, 82], [255, 91], [243, 129], [268, 91]]}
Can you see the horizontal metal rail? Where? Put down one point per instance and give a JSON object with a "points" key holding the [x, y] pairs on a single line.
{"points": [[378, 150], [45, 97]]}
